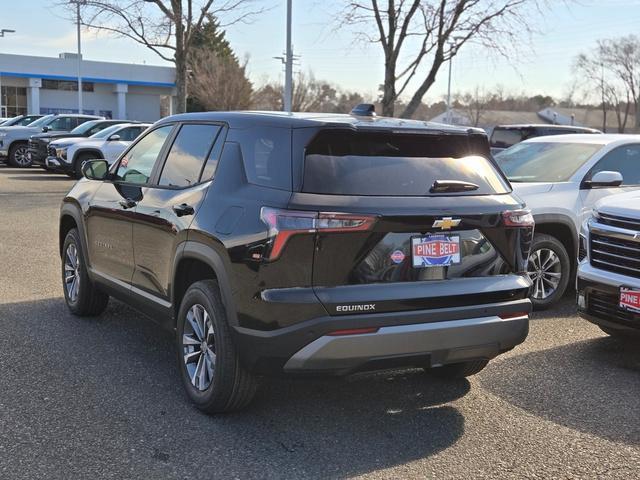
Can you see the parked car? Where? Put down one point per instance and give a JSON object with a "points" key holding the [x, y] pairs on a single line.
{"points": [[303, 244], [561, 178], [505, 136], [69, 154], [20, 120], [39, 143], [609, 271], [14, 141]]}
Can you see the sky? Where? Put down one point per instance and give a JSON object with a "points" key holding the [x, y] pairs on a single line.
{"points": [[542, 66]]}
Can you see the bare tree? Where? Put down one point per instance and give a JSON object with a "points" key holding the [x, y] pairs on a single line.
{"points": [[417, 37], [166, 27], [612, 72], [475, 103], [219, 83]]}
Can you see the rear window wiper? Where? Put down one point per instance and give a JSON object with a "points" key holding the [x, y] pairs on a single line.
{"points": [[448, 186]]}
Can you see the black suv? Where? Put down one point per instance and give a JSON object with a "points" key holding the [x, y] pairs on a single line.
{"points": [[39, 143], [303, 244]]}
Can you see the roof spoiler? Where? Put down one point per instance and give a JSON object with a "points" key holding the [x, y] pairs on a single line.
{"points": [[364, 110]]}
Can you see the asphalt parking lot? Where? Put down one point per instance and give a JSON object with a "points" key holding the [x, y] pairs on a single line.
{"points": [[101, 398]]}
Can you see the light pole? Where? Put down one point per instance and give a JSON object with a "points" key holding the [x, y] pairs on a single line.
{"points": [[288, 68], [2, 34], [453, 47], [78, 3]]}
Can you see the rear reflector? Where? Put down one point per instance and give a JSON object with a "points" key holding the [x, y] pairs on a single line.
{"points": [[283, 224], [353, 331], [507, 316]]}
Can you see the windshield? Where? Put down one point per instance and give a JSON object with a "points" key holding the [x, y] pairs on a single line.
{"points": [[545, 162], [106, 132], [83, 128], [396, 164], [42, 121]]}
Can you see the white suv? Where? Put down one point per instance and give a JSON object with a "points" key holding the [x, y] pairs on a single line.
{"points": [[561, 178], [609, 270], [68, 154]]}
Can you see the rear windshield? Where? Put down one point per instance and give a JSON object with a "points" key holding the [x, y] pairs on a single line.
{"points": [[505, 137], [396, 164]]}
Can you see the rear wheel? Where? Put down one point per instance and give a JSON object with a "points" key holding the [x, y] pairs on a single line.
{"points": [[19, 155], [81, 294], [208, 360], [549, 269], [458, 370]]}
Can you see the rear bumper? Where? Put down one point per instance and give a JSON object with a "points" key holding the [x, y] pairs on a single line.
{"points": [[411, 338]]}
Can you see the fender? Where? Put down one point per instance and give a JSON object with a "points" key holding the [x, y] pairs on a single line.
{"points": [[210, 256], [80, 151], [72, 209], [546, 218]]}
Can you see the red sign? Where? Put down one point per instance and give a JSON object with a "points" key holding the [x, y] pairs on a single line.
{"points": [[436, 248], [630, 299]]}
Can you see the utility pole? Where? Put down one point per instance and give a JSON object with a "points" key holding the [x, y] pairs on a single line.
{"points": [[452, 51], [288, 68], [78, 3], [2, 33]]}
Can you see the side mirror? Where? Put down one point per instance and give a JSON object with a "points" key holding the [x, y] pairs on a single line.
{"points": [[95, 169], [114, 138], [45, 129], [604, 178]]}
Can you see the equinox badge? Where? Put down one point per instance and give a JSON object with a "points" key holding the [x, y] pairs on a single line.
{"points": [[446, 223]]}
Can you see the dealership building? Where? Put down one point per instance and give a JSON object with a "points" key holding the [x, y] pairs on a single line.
{"points": [[115, 90]]}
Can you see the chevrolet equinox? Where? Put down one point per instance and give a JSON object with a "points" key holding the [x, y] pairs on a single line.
{"points": [[303, 244]]}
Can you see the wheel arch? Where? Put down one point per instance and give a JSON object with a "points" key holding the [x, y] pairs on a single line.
{"points": [[563, 228], [197, 261], [70, 217], [82, 151]]}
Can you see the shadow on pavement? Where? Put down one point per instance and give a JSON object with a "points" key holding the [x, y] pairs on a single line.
{"points": [[108, 389], [591, 386]]}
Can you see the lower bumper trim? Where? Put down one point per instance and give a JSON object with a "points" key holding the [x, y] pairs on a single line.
{"points": [[440, 342]]}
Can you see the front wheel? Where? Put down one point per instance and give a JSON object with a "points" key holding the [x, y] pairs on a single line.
{"points": [[210, 367], [19, 155], [549, 269]]}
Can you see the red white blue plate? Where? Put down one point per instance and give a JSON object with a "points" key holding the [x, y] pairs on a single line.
{"points": [[435, 250]]}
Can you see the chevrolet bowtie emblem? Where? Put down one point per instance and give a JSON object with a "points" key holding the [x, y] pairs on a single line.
{"points": [[447, 223]]}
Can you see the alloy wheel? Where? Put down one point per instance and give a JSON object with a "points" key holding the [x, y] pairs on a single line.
{"points": [[72, 272], [198, 347], [545, 271], [21, 156]]}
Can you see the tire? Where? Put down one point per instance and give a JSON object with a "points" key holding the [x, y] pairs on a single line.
{"points": [[458, 370], [85, 299], [548, 263], [223, 384], [77, 165], [18, 155]]}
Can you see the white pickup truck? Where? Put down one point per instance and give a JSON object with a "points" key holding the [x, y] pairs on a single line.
{"points": [[609, 270]]}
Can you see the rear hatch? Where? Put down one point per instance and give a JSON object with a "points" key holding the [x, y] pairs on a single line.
{"points": [[407, 221]]}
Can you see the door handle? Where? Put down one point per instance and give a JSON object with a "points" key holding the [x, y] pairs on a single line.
{"points": [[127, 203], [183, 209]]}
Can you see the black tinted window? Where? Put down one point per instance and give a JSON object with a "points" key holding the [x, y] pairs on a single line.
{"points": [[187, 155], [625, 160], [136, 166], [266, 153], [505, 137], [389, 164]]}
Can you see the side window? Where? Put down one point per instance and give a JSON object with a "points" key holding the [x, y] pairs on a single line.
{"points": [[137, 164], [62, 123], [97, 128], [625, 160], [188, 154], [129, 134], [266, 153]]}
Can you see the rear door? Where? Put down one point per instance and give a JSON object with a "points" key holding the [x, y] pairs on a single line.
{"points": [[403, 216]]}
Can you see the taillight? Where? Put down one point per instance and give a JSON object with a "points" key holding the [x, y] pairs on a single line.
{"points": [[518, 218], [283, 224]]}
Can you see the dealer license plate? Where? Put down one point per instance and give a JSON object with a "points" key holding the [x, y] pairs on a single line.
{"points": [[630, 299], [435, 250]]}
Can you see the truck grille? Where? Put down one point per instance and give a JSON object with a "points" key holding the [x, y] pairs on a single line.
{"points": [[606, 306], [620, 222], [615, 254]]}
